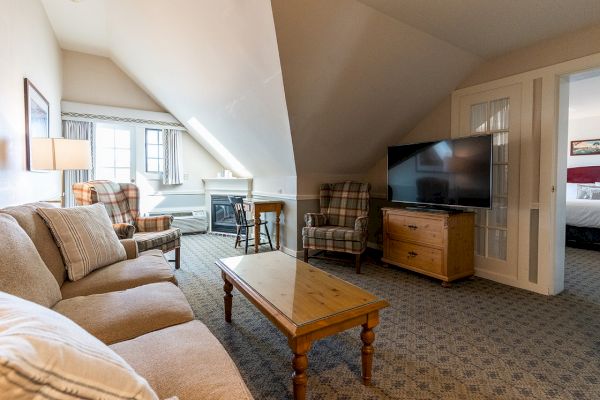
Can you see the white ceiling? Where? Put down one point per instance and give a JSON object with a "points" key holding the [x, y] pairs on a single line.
{"points": [[357, 73], [213, 65], [80, 25], [489, 28]]}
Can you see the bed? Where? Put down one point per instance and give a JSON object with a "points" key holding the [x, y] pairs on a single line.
{"points": [[583, 216]]}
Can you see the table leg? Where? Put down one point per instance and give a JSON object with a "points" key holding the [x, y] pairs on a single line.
{"points": [[277, 229], [228, 298], [300, 347], [256, 230], [368, 337]]}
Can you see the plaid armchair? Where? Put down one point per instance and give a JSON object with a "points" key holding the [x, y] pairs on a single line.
{"points": [[121, 201], [342, 223]]}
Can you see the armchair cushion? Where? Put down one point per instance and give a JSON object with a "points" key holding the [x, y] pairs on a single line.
{"points": [[315, 219], [85, 237], [154, 224], [164, 240], [334, 238]]}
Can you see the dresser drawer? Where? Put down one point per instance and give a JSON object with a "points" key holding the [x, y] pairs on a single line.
{"points": [[425, 230], [413, 255]]}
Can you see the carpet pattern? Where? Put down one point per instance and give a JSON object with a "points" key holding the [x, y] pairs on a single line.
{"points": [[477, 340]]}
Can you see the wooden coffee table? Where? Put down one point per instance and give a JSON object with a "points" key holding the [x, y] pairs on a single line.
{"points": [[304, 303]]}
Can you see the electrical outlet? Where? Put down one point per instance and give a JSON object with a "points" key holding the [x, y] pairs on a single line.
{"points": [[186, 177]]}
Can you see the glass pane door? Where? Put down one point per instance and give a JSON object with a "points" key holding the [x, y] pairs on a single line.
{"points": [[491, 226]]}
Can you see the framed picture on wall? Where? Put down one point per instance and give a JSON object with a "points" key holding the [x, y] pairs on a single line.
{"points": [[585, 147], [37, 118]]}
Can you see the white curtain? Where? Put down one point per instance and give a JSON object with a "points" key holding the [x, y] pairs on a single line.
{"points": [[173, 164], [78, 130]]}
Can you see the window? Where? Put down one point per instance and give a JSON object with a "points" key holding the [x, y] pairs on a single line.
{"points": [[113, 153], [154, 150]]}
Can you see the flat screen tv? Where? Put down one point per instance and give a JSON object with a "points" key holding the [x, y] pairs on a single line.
{"points": [[447, 173]]}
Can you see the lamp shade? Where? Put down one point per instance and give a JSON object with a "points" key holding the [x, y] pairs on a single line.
{"points": [[60, 154], [42, 154], [72, 154]]}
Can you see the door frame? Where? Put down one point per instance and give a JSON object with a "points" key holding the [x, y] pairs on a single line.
{"points": [[552, 166]]}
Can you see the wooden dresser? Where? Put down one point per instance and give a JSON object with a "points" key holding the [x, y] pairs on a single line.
{"points": [[438, 244]]}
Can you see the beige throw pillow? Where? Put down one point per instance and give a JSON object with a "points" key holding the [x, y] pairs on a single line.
{"points": [[85, 236], [22, 271], [44, 355]]}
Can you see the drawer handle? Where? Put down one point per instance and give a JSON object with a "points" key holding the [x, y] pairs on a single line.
{"points": [[412, 254], [413, 227]]}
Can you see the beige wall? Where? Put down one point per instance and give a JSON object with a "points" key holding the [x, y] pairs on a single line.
{"points": [[355, 80], [97, 80], [28, 49], [548, 52]]}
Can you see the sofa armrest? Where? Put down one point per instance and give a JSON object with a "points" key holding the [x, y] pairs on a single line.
{"points": [[131, 248], [361, 223], [154, 224], [124, 231], [315, 219]]}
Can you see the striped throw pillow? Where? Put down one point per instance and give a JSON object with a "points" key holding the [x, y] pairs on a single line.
{"points": [[44, 355], [85, 236]]}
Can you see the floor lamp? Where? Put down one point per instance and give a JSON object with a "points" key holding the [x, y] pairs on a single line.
{"points": [[58, 154]]}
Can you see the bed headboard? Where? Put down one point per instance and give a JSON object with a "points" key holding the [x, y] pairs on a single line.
{"points": [[583, 174]]}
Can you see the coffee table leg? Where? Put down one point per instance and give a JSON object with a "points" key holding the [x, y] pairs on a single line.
{"points": [[368, 337], [228, 298], [300, 363]]}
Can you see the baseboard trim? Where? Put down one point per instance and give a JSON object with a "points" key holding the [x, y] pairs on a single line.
{"points": [[492, 276], [292, 252]]}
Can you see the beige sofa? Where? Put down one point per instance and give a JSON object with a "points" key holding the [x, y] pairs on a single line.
{"points": [[135, 307]]}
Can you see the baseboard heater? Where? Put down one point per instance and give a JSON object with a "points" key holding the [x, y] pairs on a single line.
{"points": [[187, 221]]}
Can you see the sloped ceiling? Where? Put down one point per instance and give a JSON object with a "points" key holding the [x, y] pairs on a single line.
{"points": [[213, 64], [491, 28], [356, 79], [358, 74]]}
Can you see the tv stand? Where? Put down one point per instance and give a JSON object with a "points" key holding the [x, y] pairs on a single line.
{"points": [[439, 244], [433, 210]]}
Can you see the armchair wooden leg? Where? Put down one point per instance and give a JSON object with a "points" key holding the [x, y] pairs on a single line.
{"points": [[177, 257], [305, 255], [357, 263]]}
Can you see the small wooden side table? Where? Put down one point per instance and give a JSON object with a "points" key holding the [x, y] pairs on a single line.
{"points": [[256, 207]]}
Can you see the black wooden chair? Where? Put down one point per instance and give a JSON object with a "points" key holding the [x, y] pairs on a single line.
{"points": [[244, 226]]}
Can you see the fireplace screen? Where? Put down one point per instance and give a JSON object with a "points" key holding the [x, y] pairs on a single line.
{"points": [[222, 215]]}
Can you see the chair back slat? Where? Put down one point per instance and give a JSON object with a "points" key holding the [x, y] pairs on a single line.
{"points": [[237, 203]]}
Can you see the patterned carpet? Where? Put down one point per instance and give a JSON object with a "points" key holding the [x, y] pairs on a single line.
{"points": [[477, 340]]}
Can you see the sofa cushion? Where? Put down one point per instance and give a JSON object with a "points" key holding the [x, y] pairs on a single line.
{"points": [[85, 236], [45, 355], [22, 271], [116, 316], [149, 267], [191, 363], [27, 216]]}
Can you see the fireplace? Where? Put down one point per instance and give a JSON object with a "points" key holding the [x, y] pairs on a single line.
{"points": [[222, 215]]}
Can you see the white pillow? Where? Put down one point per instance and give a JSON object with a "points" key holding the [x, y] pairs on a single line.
{"points": [[571, 191], [46, 355]]}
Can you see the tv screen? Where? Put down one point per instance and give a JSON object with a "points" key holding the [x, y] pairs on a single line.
{"points": [[454, 173]]}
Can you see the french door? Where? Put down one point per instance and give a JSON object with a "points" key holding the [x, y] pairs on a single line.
{"points": [[497, 112]]}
